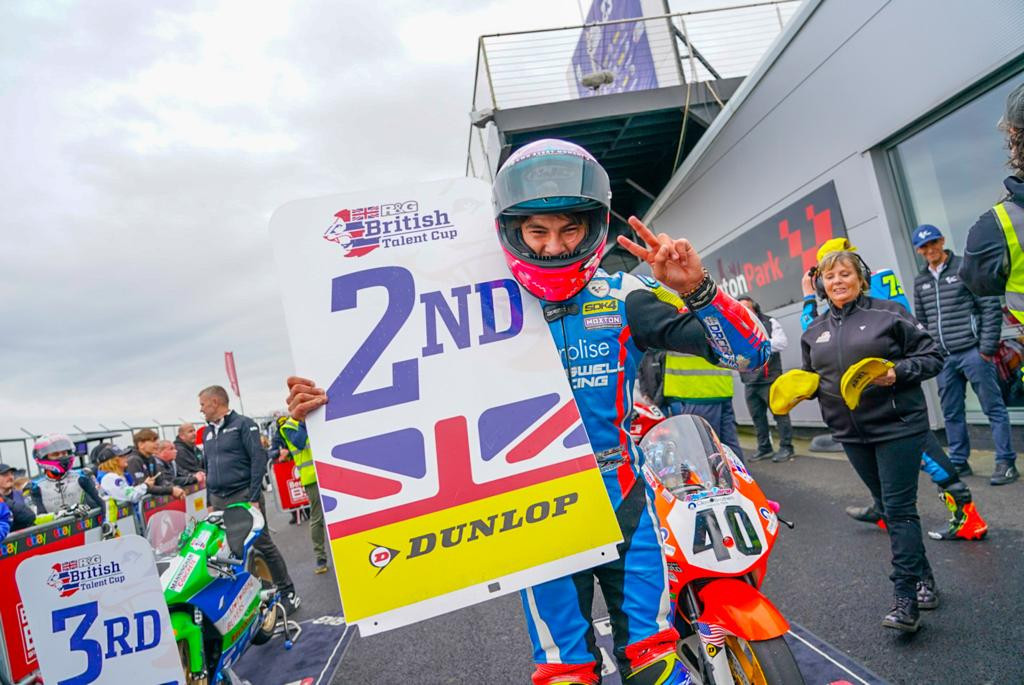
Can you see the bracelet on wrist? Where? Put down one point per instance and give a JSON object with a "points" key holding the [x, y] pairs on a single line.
{"points": [[702, 294]]}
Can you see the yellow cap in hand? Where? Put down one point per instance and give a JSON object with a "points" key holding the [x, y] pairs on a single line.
{"points": [[790, 389], [859, 376]]}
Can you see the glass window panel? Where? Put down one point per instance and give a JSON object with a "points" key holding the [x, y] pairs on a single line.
{"points": [[953, 169]]}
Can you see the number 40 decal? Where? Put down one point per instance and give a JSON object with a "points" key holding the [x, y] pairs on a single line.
{"points": [[707, 533]]}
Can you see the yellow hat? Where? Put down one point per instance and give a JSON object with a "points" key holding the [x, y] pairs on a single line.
{"points": [[859, 376], [790, 389], [835, 245]]}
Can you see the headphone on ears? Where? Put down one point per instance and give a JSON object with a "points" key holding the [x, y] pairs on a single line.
{"points": [[864, 271]]}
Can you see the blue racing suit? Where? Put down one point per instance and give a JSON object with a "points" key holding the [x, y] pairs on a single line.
{"points": [[886, 286], [601, 334]]}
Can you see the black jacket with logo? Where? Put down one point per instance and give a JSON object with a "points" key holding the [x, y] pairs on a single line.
{"points": [[957, 318], [986, 264], [235, 458], [865, 328]]}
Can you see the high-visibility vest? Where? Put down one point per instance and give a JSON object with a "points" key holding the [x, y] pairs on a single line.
{"points": [[695, 379], [1011, 218], [303, 458]]}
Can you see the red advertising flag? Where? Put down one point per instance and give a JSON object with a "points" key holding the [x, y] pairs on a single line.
{"points": [[229, 364]]}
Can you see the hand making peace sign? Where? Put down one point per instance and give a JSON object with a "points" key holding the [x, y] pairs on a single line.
{"points": [[673, 262]]}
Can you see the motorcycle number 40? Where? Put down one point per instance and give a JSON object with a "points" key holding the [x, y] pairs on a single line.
{"points": [[738, 536]]}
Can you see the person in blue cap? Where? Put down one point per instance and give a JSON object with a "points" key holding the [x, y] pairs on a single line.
{"points": [[967, 328]]}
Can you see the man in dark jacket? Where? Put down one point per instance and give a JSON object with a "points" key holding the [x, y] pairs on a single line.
{"points": [[142, 464], [166, 457], [967, 329], [186, 457], [758, 383], [235, 464], [22, 515]]}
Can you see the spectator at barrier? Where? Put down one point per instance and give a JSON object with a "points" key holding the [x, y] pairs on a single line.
{"points": [[880, 418], [294, 435], [22, 515], [61, 488], [236, 463], [967, 328], [111, 462], [758, 383], [187, 457], [167, 461], [142, 463], [693, 385]]}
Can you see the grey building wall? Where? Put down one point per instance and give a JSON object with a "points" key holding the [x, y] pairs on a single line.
{"points": [[846, 75]]}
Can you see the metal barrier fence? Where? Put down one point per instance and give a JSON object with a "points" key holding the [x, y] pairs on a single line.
{"points": [[528, 68]]}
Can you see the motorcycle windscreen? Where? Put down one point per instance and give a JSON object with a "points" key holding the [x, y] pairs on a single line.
{"points": [[686, 455]]}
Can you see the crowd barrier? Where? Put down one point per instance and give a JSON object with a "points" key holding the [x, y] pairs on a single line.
{"points": [[160, 519]]}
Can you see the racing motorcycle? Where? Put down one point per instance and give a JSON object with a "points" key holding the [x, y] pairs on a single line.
{"points": [[717, 530], [219, 594]]}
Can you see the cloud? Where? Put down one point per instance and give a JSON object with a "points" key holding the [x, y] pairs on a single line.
{"points": [[146, 146]]}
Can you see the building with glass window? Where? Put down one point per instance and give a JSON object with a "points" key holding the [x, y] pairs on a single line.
{"points": [[864, 118]]}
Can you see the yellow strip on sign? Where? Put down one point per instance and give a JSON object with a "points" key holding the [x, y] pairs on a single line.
{"points": [[406, 562]]}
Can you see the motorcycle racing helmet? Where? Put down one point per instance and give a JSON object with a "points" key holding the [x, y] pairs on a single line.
{"points": [[554, 177], [54, 454]]}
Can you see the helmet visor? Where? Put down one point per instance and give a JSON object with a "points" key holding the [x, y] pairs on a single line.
{"points": [[547, 183]]}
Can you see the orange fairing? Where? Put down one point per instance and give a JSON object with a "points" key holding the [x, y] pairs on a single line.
{"points": [[741, 609]]}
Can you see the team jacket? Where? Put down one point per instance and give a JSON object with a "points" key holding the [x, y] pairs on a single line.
{"points": [[956, 318], [864, 328], [601, 334], [235, 458]]}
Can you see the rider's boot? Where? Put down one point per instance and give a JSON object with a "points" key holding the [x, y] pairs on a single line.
{"points": [[965, 523], [653, 661], [868, 514]]}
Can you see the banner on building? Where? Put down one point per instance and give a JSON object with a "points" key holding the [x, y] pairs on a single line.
{"points": [[621, 49], [97, 614], [768, 261], [452, 461]]}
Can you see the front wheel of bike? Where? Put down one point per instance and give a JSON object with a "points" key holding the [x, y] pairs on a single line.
{"points": [[186, 665], [762, 662]]}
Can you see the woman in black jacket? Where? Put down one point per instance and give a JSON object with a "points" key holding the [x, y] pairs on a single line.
{"points": [[883, 437]]}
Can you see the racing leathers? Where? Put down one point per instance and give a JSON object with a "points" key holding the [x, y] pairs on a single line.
{"points": [[74, 488], [601, 333], [965, 522]]}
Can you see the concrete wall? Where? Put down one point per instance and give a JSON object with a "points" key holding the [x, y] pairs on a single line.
{"points": [[854, 73]]}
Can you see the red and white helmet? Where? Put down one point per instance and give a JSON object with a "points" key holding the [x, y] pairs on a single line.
{"points": [[552, 177], [47, 451]]}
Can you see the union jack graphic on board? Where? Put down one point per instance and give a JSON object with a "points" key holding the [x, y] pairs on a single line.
{"points": [[508, 447]]}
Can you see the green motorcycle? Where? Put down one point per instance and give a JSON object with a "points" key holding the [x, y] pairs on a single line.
{"points": [[219, 594]]}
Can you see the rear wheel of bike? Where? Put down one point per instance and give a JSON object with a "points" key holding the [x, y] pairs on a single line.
{"points": [[190, 678], [762, 662], [265, 630], [258, 567]]}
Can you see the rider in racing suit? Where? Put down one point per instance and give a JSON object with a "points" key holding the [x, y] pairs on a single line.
{"points": [[552, 202], [965, 522], [60, 487]]}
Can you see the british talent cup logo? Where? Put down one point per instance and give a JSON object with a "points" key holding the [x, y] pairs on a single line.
{"points": [[362, 230], [87, 573]]}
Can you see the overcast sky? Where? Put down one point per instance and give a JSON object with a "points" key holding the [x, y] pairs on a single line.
{"points": [[146, 145]]}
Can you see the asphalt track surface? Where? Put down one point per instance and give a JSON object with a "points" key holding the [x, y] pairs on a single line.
{"points": [[830, 575]]}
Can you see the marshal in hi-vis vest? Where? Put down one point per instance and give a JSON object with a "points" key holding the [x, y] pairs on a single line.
{"points": [[303, 458], [695, 379], [1010, 216]]}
